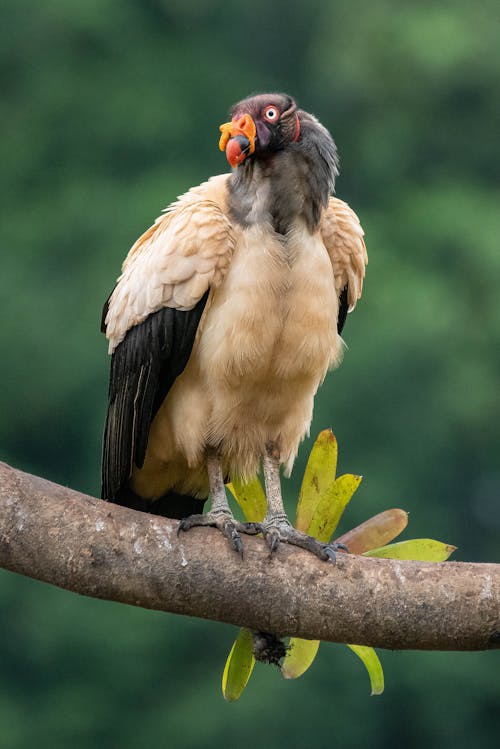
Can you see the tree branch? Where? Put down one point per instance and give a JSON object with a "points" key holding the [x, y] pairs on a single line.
{"points": [[98, 549]]}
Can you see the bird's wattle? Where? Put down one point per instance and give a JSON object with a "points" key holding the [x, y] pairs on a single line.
{"points": [[238, 139], [237, 150]]}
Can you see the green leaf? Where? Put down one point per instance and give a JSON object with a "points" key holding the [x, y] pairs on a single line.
{"points": [[251, 498], [419, 549], [374, 532], [239, 666], [299, 657], [373, 666], [330, 508], [318, 477]]}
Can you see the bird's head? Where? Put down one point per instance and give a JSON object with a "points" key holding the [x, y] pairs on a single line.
{"points": [[269, 141], [260, 125]]}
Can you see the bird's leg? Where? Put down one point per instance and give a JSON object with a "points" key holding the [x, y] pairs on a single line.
{"points": [[276, 526], [276, 518], [219, 515]]}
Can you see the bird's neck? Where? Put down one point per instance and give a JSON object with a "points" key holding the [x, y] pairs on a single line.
{"points": [[287, 186]]}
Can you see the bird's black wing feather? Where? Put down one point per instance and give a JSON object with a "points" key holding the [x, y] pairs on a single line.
{"points": [[343, 310], [144, 367]]}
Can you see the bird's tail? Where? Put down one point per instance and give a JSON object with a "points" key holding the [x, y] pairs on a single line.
{"points": [[171, 505]]}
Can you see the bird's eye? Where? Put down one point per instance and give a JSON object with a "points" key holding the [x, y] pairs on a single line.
{"points": [[271, 114]]}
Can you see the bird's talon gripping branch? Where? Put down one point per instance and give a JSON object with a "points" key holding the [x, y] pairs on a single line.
{"points": [[273, 539], [330, 555], [231, 533], [219, 519], [329, 551], [275, 534]]}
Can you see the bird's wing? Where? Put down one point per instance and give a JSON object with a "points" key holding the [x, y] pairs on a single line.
{"points": [[152, 316], [343, 238]]}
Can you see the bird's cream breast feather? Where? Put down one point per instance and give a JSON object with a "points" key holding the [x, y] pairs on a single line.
{"points": [[343, 238], [187, 250], [268, 340]]}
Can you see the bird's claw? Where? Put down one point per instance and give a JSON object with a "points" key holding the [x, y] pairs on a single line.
{"points": [[273, 539], [223, 521], [281, 531], [340, 547], [230, 531], [333, 547]]}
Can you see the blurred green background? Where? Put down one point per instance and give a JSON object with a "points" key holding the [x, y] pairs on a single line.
{"points": [[109, 109]]}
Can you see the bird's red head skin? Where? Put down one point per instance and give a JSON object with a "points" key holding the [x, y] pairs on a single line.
{"points": [[261, 123]]}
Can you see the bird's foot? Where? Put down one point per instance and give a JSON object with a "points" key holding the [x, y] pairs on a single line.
{"points": [[220, 519], [278, 529]]}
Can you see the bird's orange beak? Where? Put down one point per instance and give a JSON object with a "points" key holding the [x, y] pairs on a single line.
{"points": [[238, 139]]}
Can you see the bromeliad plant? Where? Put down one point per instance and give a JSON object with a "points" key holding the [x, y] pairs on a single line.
{"points": [[322, 500]]}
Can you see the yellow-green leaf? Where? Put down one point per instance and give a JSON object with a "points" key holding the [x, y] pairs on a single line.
{"points": [[419, 549], [251, 498], [299, 657], [373, 666], [330, 508], [374, 532], [318, 477], [239, 666]]}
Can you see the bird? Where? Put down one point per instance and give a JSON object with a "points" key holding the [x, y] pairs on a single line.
{"points": [[224, 322]]}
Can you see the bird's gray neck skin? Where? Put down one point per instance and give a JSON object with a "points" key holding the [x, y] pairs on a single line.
{"points": [[293, 183]]}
